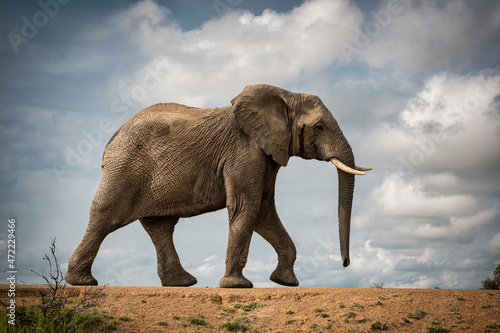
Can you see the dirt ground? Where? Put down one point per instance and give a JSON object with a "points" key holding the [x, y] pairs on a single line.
{"points": [[165, 309]]}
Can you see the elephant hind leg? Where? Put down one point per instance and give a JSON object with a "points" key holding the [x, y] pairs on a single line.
{"points": [[101, 223], [81, 260], [170, 270]]}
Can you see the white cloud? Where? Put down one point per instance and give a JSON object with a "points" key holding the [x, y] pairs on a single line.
{"points": [[459, 229], [451, 102], [259, 266], [435, 200], [212, 266], [111, 255], [442, 182], [237, 49], [411, 264], [138, 16], [450, 126], [425, 35], [493, 245], [399, 197]]}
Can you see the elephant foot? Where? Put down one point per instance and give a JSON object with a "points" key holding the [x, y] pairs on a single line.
{"points": [[180, 279], [235, 282], [285, 277], [83, 279]]}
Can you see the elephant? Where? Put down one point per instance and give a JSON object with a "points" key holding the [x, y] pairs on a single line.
{"points": [[171, 161]]}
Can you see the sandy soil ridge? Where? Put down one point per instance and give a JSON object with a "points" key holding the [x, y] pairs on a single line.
{"points": [[164, 309]]}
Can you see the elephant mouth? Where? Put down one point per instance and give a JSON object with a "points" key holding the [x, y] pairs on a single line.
{"points": [[358, 170]]}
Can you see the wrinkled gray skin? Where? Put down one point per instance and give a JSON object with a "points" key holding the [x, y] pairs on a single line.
{"points": [[171, 161]]}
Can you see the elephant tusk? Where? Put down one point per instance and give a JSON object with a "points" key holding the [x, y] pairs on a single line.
{"points": [[345, 168], [360, 168]]}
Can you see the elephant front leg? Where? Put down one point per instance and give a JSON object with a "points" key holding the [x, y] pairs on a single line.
{"points": [[242, 217], [271, 229], [170, 270], [236, 256]]}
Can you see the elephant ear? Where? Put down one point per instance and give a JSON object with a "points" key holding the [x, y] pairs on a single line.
{"points": [[262, 113]]}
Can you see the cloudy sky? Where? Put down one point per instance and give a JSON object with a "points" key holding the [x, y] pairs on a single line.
{"points": [[414, 85]]}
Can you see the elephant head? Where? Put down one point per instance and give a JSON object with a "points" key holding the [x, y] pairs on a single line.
{"points": [[286, 124]]}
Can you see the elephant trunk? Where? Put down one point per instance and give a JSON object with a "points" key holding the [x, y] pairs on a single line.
{"points": [[346, 191]]}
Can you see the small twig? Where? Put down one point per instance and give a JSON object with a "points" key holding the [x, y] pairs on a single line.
{"points": [[54, 299], [375, 284]]}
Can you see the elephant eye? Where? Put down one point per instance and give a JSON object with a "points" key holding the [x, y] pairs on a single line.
{"points": [[318, 127]]}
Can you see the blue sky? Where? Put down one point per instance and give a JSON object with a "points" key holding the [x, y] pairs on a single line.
{"points": [[414, 85]]}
